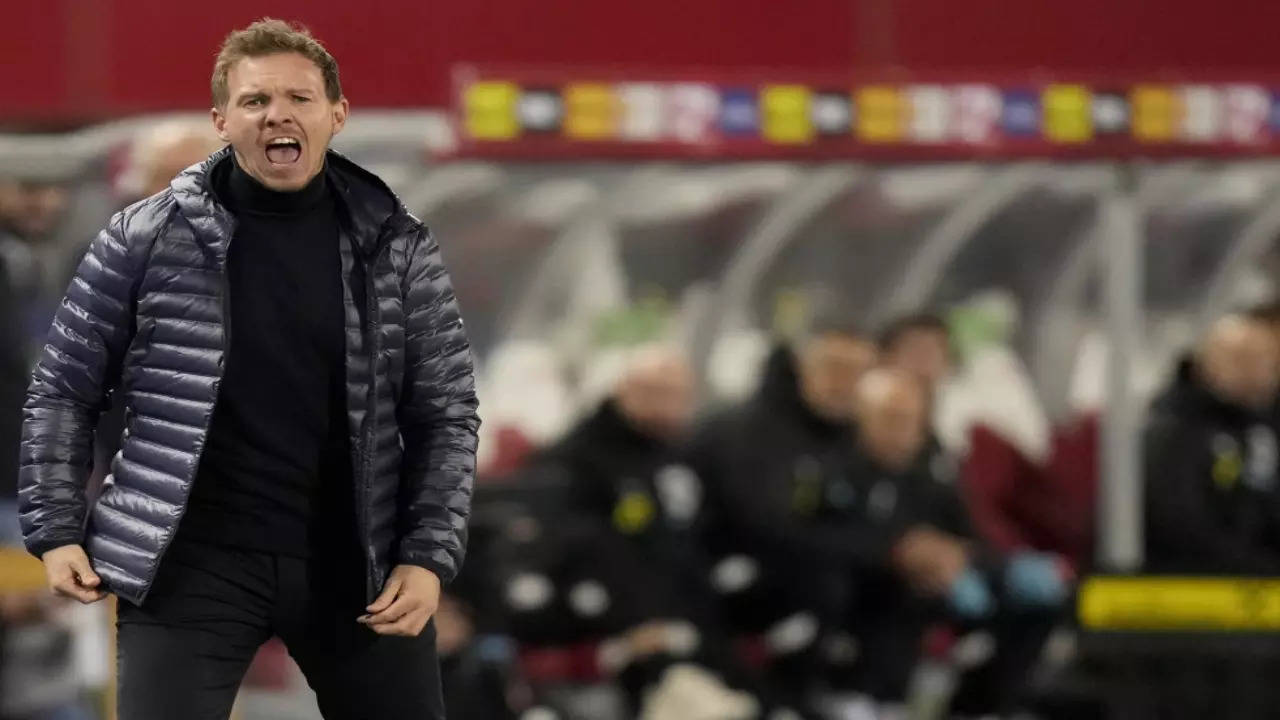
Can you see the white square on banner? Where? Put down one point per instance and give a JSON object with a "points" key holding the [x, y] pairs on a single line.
{"points": [[641, 111], [540, 110], [1202, 113], [1110, 113], [930, 113], [976, 113], [1248, 108], [693, 110], [832, 114]]}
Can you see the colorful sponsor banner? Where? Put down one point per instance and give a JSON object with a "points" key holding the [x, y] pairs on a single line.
{"points": [[739, 112], [1157, 113], [832, 113], [1068, 113], [591, 111], [1110, 115], [930, 113], [786, 114], [979, 110], [1020, 116], [642, 113], [490, 110], [693, 112], [540, 110], [882, 114], [1247, 112], [742, 117]]}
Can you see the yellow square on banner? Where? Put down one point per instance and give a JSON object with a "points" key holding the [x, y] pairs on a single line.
{"points": [[785, 113], [591, 111], [1068, 113], [1156, 113], [882, 113], [489, 110]]}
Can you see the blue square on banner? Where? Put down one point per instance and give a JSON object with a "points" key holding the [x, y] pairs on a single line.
{"points": [[739, 113], [1021, 114]]}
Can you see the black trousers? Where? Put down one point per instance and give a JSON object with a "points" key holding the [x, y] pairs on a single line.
{"points": [[183, 653]]}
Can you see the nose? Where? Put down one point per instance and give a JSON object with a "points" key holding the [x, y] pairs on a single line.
{"points": [[278, 115]]}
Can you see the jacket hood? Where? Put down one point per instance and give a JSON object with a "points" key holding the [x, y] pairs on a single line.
{"points": [[367, 203], [610, 425], [780, 390]]}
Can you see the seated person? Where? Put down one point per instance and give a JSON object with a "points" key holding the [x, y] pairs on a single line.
{"points": [[629, 570], [748, 458], [1210, 455], [919, 562], [920, 344]]}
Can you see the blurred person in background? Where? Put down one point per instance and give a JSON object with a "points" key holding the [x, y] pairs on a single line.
{"points": [[326, 497], [633, 573], [1212, 503], [38, 678], [162, 151], [1009, 510], [30, 210], [920, 560], [750, 458], [475, 686], [921, 345], [1269, 314]]}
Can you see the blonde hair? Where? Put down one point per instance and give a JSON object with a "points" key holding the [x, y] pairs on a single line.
{"points": [[269, 36]]}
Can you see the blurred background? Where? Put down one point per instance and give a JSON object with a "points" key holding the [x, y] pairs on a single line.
{"points": [[837, 358]]}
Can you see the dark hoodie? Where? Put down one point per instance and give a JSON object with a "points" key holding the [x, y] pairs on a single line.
{"points": [[1211, 484], [633, 507], [763, 462]]}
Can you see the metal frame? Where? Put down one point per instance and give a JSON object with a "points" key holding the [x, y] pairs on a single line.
{"points": [[1120, 498], [946, 239], [765, 243]]}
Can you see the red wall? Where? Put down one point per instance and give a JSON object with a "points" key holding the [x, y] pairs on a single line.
{"points": [[76, 60]]}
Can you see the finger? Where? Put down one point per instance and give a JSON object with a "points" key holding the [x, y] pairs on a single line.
{"points": [[84, 571], [398, 609], [407, 626], [389, 592], [75, 592]]}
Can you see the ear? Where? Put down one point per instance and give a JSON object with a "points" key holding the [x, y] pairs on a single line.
{"points": [[220, 124], [341, 109]]}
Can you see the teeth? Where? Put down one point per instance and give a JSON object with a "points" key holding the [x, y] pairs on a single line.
{"points": [[283, 141]]}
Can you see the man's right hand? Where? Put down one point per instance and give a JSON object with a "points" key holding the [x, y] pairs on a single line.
{"points": [[930, 560], [70, 575]]}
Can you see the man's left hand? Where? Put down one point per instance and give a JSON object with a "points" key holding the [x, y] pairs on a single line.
{"points": [[407, 602]]}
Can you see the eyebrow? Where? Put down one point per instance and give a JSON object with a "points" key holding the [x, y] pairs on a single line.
{"points": [[257, 92]]}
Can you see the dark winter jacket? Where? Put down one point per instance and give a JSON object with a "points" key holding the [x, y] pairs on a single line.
{"points": [[144, 322], [1211, 484], [879, 505], [753, 458], [633, 507]]}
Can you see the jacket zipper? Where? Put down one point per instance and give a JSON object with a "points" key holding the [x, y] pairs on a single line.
{"points": [[364, 484]]}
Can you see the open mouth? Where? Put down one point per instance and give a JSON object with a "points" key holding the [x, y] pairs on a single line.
{"points": [[284, 151]]}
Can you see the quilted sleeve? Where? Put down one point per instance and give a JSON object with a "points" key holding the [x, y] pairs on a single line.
{"points": [[79, 365], [438, 420]]}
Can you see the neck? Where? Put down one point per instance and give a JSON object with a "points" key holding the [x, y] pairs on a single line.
{"points": [[247, 194]]}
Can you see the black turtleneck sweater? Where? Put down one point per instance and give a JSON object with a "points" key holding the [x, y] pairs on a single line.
{"points": [[276, 465]]}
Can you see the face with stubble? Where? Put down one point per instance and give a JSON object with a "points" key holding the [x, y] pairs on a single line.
{"points": [[278, 119]]}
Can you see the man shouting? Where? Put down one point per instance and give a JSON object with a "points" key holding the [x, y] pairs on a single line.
{"points": [[300, 431]]}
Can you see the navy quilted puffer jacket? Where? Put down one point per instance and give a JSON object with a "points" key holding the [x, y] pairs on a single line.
{"points": [[143, 321]]}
